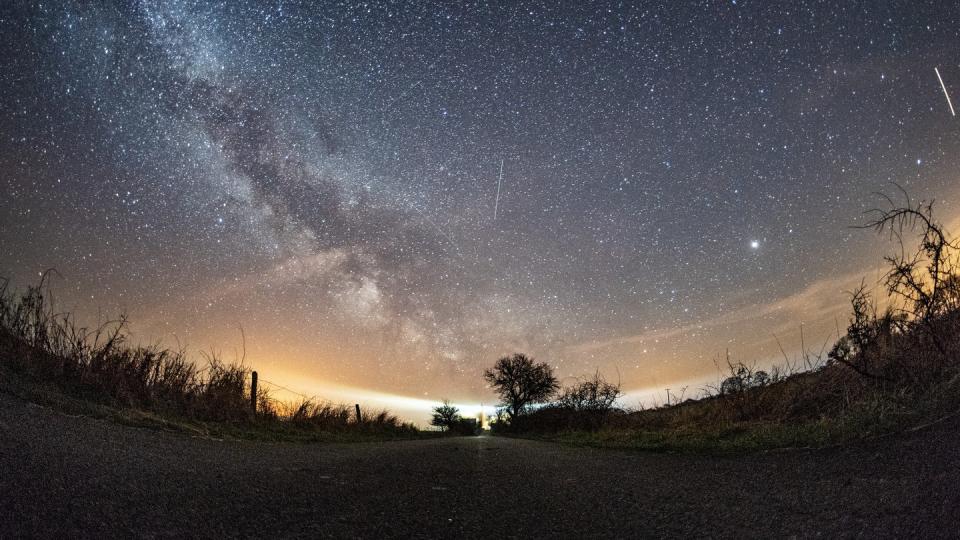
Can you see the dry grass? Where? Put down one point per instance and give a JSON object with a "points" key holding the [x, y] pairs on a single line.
{"points": [[830, 403], [893, 368], [45, 350]]}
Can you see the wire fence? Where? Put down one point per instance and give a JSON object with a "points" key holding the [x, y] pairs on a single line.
{"points": [[306, 397]]}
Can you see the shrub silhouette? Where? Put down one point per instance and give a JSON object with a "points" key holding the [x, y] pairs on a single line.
{"points": [[594, 395], [584, 405], [925, 279], [868, 335], [465, 426], [742, 378]]}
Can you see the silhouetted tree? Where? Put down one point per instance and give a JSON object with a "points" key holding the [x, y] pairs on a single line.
{"points": [[520, 382], [445, 416]]}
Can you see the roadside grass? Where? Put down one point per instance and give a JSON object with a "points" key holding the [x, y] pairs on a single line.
{"points": [[257, 429], [735, 438], [48, 359], [896, 368], [722, 424]]}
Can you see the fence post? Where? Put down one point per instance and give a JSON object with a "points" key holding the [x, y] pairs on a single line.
{"points": [[359, 418], [253, 391]]}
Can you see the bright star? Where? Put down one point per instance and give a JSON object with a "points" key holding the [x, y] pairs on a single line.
{"points": [[754, 244]]}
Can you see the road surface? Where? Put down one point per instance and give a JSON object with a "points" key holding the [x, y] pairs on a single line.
{"points": [[63, 476]]}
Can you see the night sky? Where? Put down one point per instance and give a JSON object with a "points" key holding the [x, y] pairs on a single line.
{"points": [[677, 180]]}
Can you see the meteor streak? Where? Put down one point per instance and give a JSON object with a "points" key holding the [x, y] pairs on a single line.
{"points": [[937, 71], [496, 203]]}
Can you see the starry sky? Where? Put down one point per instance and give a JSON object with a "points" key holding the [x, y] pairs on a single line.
{"points": [[678, 180]]}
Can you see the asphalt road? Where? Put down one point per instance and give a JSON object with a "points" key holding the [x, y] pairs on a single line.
{"points": [[63, 476]]}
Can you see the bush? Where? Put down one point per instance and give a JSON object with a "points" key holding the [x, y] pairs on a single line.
{"points": [[465, 426], [594, 394]]}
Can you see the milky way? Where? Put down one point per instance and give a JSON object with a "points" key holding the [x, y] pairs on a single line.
{"points": [[677, 181]]}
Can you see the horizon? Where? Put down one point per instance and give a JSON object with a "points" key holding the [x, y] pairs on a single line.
{"points": [[385, 201]]}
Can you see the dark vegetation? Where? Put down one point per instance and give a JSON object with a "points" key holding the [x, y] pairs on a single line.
{"points": [[521, 383], [46, 356], [448, 419], [896, 367]]}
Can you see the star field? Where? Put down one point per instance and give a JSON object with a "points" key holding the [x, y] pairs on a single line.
{"points": [[678, 180]]}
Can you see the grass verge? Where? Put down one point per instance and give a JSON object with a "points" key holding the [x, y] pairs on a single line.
{"points": [[47, 359]]}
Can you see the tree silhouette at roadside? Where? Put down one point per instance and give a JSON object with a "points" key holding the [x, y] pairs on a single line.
{"points": [[445, 416], [520, 382]]}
